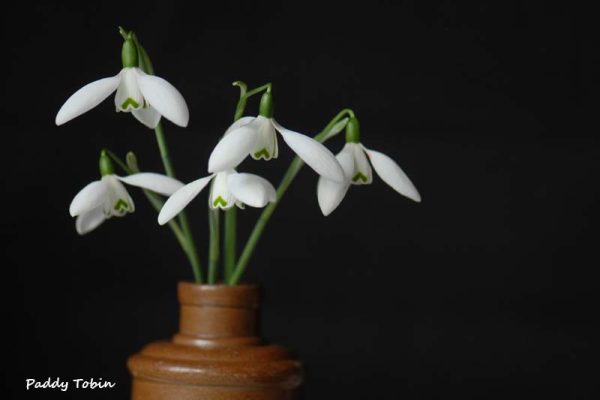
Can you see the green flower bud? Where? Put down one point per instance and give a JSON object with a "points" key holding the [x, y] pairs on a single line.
{"points": [[353, 131], [129, 53], [106, 165], [266, 105]]}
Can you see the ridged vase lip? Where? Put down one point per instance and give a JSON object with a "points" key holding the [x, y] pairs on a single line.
{"points": [[219, 295]]}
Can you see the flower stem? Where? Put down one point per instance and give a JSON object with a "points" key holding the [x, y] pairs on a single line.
{"points": [[230, 235], [153, 198], [213, 251], [230, 241], [190, 246], [286, 181]]}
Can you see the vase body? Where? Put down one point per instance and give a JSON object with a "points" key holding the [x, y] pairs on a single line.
{"points": [[216, 354]]}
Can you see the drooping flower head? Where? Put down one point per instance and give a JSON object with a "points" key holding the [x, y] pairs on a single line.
{"points": [[147, 97], [229, 189], [356, 160], [257, 137], [107, 197]]}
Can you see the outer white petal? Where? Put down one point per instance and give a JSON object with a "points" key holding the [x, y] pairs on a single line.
{"points": [[90, 220], [251, 189], [163, 96], [392, 174], [317, 156], [232, 149], [88, 198], [158, 183], [240, 122], [118, 202], [147, 116], [87, 98], [181, 198], [330, 194]]}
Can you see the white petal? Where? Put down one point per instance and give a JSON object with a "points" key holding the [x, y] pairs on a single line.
{"points": [[163, 96], [220, 195], [392, 174], [86, 98], [181, 198], [317, 156], [330, 194], [363, 174], [118, 202], [265, 146], [232, 149], [147, 116], [88, 198], [158, 183], [251, 189], [90, 220], [346, 159], [129, 96], [240, 122]]}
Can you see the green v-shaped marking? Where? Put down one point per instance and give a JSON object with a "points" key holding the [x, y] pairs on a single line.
{"points": [[360, 177], [263, 152], [129, 102], [221, 201], [121, 205]]}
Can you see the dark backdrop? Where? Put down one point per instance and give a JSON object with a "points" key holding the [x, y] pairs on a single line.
{"points": [[485, 289]]}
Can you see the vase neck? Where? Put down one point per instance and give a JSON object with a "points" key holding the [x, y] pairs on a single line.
{"points": [[217, 315]]}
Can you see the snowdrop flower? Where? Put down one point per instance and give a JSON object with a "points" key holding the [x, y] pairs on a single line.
{"points": [[147, 97], [228, 188], [107, 197], [354, 159], [257, 137]]}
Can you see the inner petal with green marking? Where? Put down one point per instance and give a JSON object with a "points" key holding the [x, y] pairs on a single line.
{"points": [[121, 205], [129, 102], [221, 201], [360, 177], [264, 153]]}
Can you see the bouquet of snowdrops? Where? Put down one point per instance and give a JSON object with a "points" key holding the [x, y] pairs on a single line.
{"points": [[149, 98]]}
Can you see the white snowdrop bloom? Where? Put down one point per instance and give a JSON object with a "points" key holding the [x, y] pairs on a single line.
{"points": [[228, 188], [107, 197], [147, 97], [356, 160], [257, 137]]}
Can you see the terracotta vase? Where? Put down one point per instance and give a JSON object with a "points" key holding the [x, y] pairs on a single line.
{"points": [[217, 354]]}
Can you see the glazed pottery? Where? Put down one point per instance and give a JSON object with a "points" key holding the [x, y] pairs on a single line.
{"points": [[216, 354]]}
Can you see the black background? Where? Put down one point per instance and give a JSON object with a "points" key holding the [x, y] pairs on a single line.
{"points": [[485, 289]]}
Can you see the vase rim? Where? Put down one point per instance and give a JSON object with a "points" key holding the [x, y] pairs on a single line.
{"points": [[216, 286], [245, 295]]}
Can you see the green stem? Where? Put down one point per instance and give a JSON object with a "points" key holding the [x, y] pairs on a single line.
{"points": [[213, 251], [230, 234], [190, 245], [153, 198], [230, 241], [287, 180], [190, 248]]}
